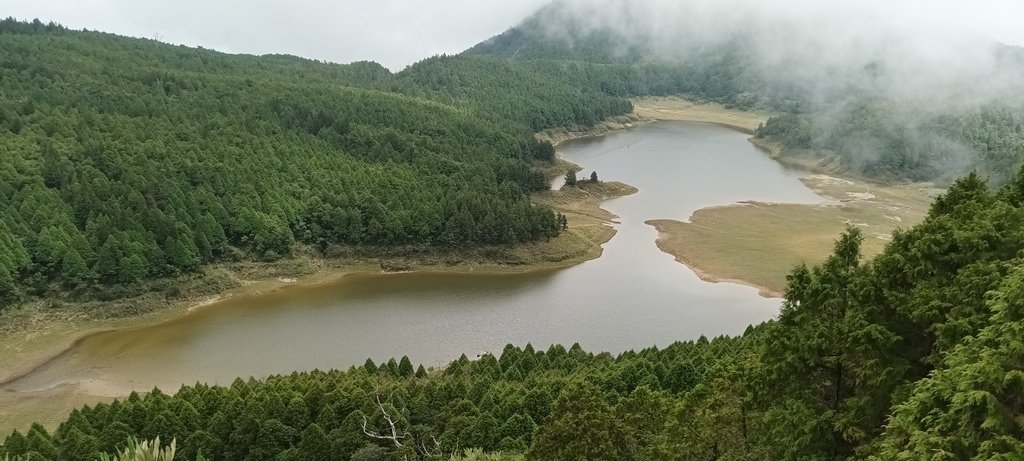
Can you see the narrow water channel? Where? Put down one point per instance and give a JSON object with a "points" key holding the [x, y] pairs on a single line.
{"points": [[634, 296]]}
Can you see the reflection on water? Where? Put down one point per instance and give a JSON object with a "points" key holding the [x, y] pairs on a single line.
{"points": [[634, 296]]}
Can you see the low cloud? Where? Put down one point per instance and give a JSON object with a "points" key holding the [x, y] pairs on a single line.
{"points": [[395, 33]]}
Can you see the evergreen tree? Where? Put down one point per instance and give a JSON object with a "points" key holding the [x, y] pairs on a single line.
{"points": [[570, 178], [314, 445], [134, 269], [819, 329], [970, 408], [108, 261], [582, 426], [405, 369], [178, 255], [73, 268], [8, 291], [77, 446]]}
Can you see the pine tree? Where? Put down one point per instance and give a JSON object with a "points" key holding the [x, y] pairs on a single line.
{"points": [[405, 368], [971, 407], [73, 268], [570, 178], [134, 269], [370, 367], [179, 256], [8, 290], [582, 426], [77, 446], [314, 444], [108, 261]]}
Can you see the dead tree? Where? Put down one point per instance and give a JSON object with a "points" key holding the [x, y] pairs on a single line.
{"points": [[397, 436]]}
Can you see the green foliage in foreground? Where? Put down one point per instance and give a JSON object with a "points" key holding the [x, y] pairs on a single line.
{"points": [[145, 451], [134, 450], [916, 354], [476, 454]]}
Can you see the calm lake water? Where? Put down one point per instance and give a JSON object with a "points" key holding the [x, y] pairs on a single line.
{"points": [[632, 297]]}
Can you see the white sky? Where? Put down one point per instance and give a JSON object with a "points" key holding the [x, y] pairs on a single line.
{"points": [[395, 33]]}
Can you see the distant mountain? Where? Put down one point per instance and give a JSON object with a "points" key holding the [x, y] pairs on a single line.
{"points": [[559, 31], [890, 101], [123, 160]]}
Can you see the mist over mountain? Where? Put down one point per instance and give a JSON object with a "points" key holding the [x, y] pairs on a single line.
{"points": [[892, 93], [138, 176], [823, 47]]}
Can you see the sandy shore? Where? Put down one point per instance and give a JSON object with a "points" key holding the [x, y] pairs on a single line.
{"points": [[680, 110], [660, 108], [38, 336], [759, 243], [745, 244], [665, 243], [42, 339], [558, 136]]}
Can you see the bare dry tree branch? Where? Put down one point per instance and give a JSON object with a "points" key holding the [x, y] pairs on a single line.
{"points": [[436, 450], [394, 437]]}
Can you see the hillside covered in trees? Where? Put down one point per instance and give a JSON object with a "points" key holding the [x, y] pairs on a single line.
{"points": [[915, 354], [124, 159]]}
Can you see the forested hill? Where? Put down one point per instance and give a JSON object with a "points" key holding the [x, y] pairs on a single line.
{"points": [[917, 354], [908, 108], [124, 159], [127, 159]]}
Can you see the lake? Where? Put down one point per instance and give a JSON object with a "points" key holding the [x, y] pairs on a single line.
{"points": [[632, 297]]}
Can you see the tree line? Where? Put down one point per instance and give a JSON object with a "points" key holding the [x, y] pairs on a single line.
{"points": [[870, 140], [124, 160], [914, 353]]}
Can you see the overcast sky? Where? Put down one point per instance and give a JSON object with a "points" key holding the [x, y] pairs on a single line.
{"points": [[395, 33]]}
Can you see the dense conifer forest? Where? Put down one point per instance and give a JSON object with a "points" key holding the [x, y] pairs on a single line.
{"points": [[914, 354], [126, 159]]}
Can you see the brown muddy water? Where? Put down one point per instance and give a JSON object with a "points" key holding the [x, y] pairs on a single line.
{"points": [[634, 296]]}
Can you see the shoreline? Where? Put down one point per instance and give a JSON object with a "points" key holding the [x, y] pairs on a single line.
{"points": [[650, 109], [590, 226], [664, 236], [676, 109], [56, 336], [758, 243], [589, 229], [680, 110], [558, 136]]}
